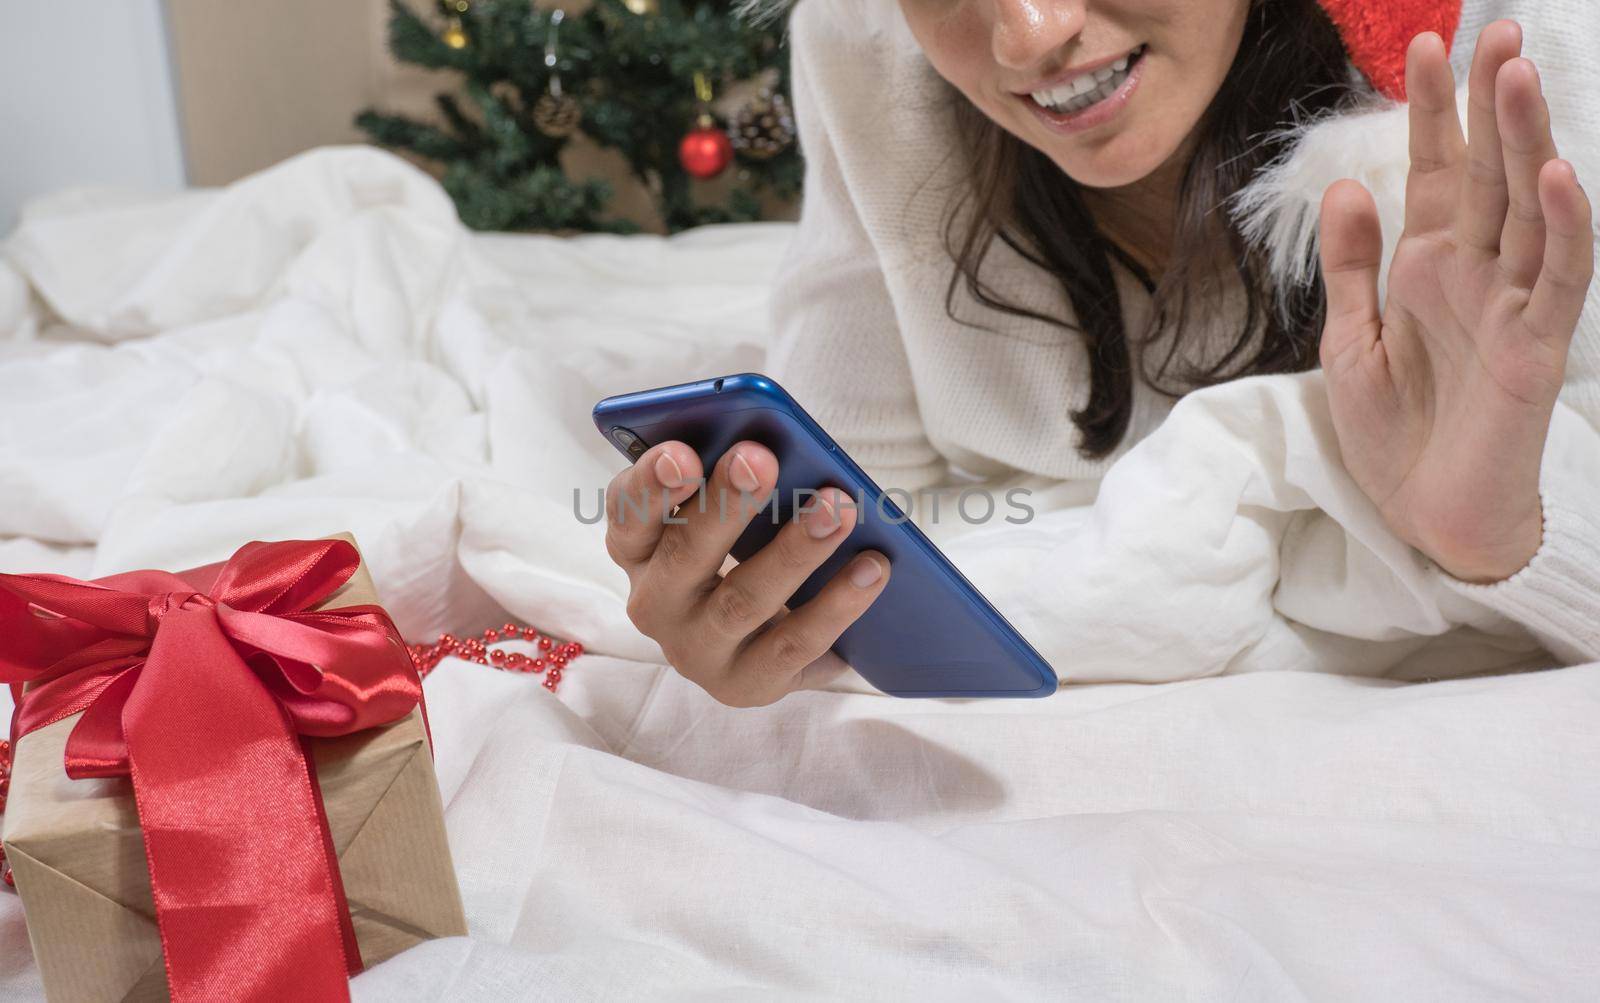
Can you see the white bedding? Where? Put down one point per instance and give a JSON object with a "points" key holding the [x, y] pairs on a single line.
{"points": [[322, 347]]}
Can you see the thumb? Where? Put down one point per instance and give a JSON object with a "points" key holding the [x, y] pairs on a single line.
{"points": [[1351, 251]]}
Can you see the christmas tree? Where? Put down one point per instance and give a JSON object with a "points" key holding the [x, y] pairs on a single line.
{"points": [[636, 76]]}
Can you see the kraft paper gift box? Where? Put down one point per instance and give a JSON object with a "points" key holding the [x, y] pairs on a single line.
{"points": [[77, 853]]}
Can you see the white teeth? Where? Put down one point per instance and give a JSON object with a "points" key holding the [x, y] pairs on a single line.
{"points": [[1087, 88]]}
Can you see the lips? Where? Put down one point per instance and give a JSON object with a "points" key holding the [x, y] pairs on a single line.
{"points": [[1087, 88], [1096, 104]]}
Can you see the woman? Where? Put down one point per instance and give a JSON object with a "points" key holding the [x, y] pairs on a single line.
{"points": [[1017, 265]]}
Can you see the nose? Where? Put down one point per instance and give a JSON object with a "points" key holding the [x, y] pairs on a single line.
{"points": [[1027, 31]]}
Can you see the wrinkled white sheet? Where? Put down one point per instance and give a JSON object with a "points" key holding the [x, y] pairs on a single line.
{"points": [[321, 347]]}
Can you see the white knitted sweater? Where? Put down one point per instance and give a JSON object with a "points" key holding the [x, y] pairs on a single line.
{"points": [[863, 339]]}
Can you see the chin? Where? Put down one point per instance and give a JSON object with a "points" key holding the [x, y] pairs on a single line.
{"points": [[1101, 171], [1121, 160], [1105, 175]]}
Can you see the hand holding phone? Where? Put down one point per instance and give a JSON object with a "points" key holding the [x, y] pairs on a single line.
{"points": [[732, 634], [810, 530]]}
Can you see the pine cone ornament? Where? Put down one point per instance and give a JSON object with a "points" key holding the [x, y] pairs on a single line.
{"points": [[557, 115], [763, 128]]}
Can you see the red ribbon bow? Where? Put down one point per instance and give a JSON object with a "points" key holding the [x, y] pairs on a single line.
{"points": [[198, 688]]}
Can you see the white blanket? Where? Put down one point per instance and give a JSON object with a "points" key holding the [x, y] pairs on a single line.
{"points": [[322, 347]]}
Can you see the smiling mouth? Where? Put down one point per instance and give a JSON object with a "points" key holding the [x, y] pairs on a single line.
{"points": [[1087, 89]]}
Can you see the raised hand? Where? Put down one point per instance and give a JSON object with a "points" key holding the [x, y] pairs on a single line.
{"points": [[1442, 401]]}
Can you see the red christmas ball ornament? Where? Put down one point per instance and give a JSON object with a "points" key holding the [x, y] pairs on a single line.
{"points": [[706, 151]]}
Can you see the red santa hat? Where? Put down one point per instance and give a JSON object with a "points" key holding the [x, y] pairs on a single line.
{"points": [[1377, 33]]}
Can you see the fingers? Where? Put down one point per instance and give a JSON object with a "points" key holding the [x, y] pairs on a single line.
{"points": [[1482, 211], [1526, 144], [691, 550], [1436, 141], [1351, 249], [756, 590], [639, 498], [1558, 294], [777, 659]]}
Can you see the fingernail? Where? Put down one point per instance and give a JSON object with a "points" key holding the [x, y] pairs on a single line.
{"points": [[864, 572], [744, 475], [820, 519], [667, 471]]}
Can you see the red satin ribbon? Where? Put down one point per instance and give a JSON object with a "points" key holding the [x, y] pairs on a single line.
{"points": [[199, 687]]}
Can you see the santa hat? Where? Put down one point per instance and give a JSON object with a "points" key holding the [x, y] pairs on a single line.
{"points": [[1377, 33]]}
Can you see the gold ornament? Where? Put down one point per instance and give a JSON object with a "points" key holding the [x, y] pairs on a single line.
{"points": [[643, 7], [763, 128], [454, 35]]}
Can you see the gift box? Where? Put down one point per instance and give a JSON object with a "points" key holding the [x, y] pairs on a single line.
{"points": [[256, 813]]}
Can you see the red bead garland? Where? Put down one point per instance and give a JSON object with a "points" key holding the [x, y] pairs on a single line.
{"points": [[552, 661]]}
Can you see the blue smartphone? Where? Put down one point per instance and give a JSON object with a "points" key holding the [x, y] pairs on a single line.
{"points": [[930, 633]]}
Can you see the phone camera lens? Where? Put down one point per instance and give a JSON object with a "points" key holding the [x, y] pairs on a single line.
{"points": [[628, 441]]}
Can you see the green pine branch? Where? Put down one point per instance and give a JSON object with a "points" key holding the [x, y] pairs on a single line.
{"points": [[633, 78]]}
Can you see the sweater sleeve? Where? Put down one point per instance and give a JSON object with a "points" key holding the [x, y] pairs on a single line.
{"points": [[836, 339]]}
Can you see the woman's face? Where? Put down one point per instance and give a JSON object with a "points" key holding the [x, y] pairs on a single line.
{"points": [[1108, 89]]}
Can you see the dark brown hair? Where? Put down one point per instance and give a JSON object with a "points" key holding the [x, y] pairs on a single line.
{"points": [[1291, 67]]}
